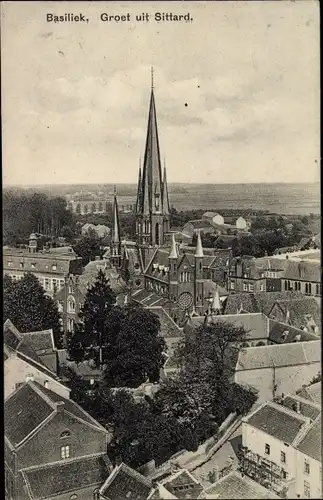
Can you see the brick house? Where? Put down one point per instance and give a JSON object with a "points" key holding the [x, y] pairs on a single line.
{"points": [[53, 448]]}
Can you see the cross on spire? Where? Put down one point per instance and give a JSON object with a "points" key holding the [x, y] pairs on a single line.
{"points": [[114, 189], [152, 78]]}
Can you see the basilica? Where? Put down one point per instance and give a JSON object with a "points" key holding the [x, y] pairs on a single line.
{"points": [[180, 279]]}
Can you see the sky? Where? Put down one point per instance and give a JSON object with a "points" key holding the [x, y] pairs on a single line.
{"points": [[236, 89]]}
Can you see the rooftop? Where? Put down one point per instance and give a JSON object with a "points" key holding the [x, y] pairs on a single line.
{"points": [[30, 405], [257, 302], [277, 421], [312, 392], [302, 406], [311, 443], [282, 333], [300, 353], [124, 482], [235, 486], [61, 477]]}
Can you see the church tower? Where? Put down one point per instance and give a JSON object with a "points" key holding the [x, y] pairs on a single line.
{"points": [[115, 254], [152, 207], [198, 275]]}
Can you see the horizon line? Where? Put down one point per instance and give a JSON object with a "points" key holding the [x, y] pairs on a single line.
{"points": [[169, 183]]}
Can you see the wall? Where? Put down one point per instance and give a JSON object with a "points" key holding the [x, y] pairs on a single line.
{"points": [[255, 440], [218, 219], [84, 440], [314, 478], [288, 379], [16, 371]]}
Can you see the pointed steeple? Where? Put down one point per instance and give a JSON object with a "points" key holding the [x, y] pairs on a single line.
{"points": [[152, 175], [173, 250], [199, 248], [166, 209], [116, 223], [138, 202], [215, 302]]}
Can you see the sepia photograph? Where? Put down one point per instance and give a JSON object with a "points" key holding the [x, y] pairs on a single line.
{"points": [[161, 250]]}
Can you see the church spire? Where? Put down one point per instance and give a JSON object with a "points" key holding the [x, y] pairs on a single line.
{"points": [[116, 223], [199, 247], [166, 209], [152, 176], [138, 202], [173, 251]]}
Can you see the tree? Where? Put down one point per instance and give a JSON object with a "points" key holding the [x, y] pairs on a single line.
{"points": [[135, 351], [125, 342], [88, 247], [92, 332], [29, 309]]}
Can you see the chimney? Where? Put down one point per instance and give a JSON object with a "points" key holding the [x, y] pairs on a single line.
{"points": [[60, 406]]}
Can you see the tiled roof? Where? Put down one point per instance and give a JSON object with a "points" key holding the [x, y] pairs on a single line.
{"points": [[312, 392], [210, 214], [58, 478], [24, 410], [311, 445], [90, 274], [257, 302], [168, 327], [303, 270], [254, 358], [304, 407], [298, 310], [282, 333], [40, 341], [124, 480], [200, 224], [47, 262], [182, 484], [275, 420], [234, 486], [20, 343], [147, 298], [70, 406], [255, 324]]}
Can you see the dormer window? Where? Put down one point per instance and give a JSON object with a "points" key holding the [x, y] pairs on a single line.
{"points": [[54, 267]]}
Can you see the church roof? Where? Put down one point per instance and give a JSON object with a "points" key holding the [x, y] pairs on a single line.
{"points": [[116, 224]]}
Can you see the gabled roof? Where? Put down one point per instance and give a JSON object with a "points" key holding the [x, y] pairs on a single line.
{"points": [[311, 443], [301, 353], [303, 270], [148, 299], [238, 487], [302, 406], [41, 341], [55, 263], [66, 476], [277, 421], [282, 333], [255, 324], [312, 392], [257, 302], [168, 327], [90, 274], [20, 344], [182, 484], [31, 405], [122, 481], [200, 224], [299, 311]]}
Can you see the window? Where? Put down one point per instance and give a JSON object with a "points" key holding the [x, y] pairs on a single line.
{"points": [[65, 451], [71, 304], [267, 449], [318, 291], [46, 283], [284, 474], [70, 289], [21, 264], [54, 267], [9, 264], [283, 457], [245, 287], [65, 434], [306, 467], [261, 288], [307, 489], [251, 288], [232, 285], [33, 265]]}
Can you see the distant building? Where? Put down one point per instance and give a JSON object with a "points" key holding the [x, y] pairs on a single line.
{"points": [[285, 439], [71, 296], [100, 230], [84, 207], [53, 448], [51, 266], [303, 313], [204, 226], [274, 370]]}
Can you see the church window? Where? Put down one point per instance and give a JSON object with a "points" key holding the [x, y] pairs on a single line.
{"points": [[71, 304], [318, 291], [157, 234]]}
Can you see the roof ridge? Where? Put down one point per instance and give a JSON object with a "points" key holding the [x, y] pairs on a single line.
{"points": [[135, 474], [41, 365], [44, 396], [302, 432], [302, 400], [288, 411], [28, 485]]}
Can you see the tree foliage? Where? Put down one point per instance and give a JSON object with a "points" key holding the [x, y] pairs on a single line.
{"points": [[29, 308], [88, 247], [125, 342]]}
